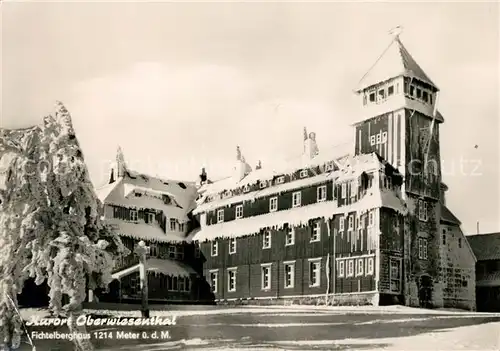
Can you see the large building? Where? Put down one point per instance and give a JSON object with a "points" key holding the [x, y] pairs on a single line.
{"points": [[368, 226], [158, 212]]}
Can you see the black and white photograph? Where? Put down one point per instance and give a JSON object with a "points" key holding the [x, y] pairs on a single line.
{"points": [[249, 175]]}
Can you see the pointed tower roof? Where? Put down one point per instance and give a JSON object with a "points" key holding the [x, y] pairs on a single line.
{"points": [[395, 61]]}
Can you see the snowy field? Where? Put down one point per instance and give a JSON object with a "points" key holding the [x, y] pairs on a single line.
{"points": [[304, 328]]}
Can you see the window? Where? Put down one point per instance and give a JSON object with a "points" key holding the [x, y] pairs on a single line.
{"points": [[239, 211], [350, 268], [316, 231], [425, 96], [341, 268], [361, 221], [444, 238], [321, 193], [231, 279], [384, 137], [303, 173], [153, 250], [150, 217], [460, 242], [262, 184], [280, 180], [329, 166], [381, 94], [197, 252], [370, 219], [266, 276], [266, 240], [422, 210], [296, 197], [430, 98], [369, 266], [354, 188], [372, 140], [394, 274], [232, 246], [133, 215], [181, 227], [419, 93], [341, 224], [220, 216], [180, 253], [360, 267], [246, 189], [379, 138], [372, 97], [182, 286], [214, 279], [412, 90], [344, 190], [215, 248], [289, 275], [314, 272], [390, 90], [290, 237], [172, 251], [273, 204], [187, 285], [172, 224], [350, 223], [422, 248]]}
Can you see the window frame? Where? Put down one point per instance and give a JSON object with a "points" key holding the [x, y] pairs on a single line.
{"points": [[296, 195], [319, 191], [133, 214], [292, 274], [215, 245], [315, 232], [232, 246], [232, 270], [350, 268], [275, 201], [220, 218], [240, 208], [290, 234], [317, 264], [267, 234], [214, 272], [263, 267], [341, 268]]}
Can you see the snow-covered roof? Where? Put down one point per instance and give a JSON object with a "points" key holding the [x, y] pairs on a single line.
{"points": [[336, 154], [165, 266], [394, 62], [351, 167], [374, 198], [143, 231]]}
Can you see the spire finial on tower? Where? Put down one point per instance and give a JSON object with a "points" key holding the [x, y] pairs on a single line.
{"points": [[120, 163], [305, 133], [396, 32]]}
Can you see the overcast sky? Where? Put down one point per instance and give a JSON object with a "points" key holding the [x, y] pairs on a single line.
{"points": [[179, 85]]}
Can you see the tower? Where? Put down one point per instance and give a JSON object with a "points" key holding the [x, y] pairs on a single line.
{"points": [[400, 122]]}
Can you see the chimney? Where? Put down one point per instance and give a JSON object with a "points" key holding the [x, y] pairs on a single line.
{"points": [[242, 168], [259, 165], [310, 146]]}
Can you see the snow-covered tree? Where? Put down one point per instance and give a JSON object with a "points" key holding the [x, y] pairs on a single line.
{"points": [[50, 226]]}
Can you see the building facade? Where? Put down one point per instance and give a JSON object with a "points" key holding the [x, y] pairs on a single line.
{"points": [[487, 250], [158, 212], [361, 227]]}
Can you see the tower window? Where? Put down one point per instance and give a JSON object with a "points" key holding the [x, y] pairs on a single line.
{"points": [[372, 97], [425, 96], [430, 99], [412, 90], [390, 90], [381, 94], [419, 93]]}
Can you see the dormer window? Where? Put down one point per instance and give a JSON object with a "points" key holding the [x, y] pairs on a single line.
{"points": [[262, 184], [425, 96], [419, 93], [372, 97], [412, 90], [246, 189], [390, 90], [303, 173], [220, 216], [173, 224], [280, 180], [150, 217], [329, 166]]}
